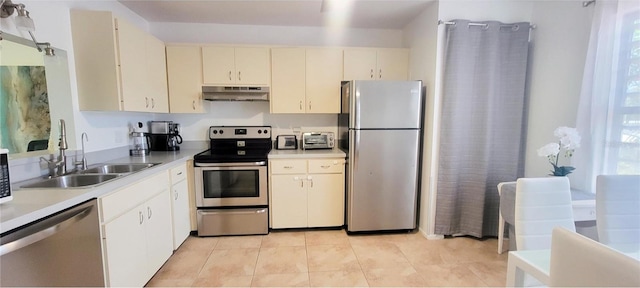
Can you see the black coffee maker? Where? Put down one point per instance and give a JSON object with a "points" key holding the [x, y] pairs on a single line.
{"points": [[165, 136]]}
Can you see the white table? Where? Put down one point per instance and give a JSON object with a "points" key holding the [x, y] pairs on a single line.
{"points": [[537, 263]]}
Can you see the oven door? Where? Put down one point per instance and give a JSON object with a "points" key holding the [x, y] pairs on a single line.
{"points": [[231, 184]]}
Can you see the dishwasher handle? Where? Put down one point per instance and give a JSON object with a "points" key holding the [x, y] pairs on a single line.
{"points": [[70, 218]]}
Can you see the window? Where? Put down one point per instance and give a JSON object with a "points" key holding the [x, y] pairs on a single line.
{"points": [[624, 126]]}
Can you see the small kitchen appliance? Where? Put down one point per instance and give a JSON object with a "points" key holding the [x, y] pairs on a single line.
{"points": [[318, 140], [286, 142], [231, 181], [139, 140], [165, 136], [5, 182]]}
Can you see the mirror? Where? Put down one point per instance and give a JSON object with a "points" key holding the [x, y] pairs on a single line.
{"points": [[34, 95]]}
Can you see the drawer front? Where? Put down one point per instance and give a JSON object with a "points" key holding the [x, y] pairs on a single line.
{"points": [[321, 166], [178, 173], [288, 166], [217, 222], [131, 196]]}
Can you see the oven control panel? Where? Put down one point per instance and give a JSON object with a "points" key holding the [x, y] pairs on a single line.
{"points": [[240, 132]]}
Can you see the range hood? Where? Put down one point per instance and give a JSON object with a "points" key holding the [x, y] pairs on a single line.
{"points": [[235, 93]]}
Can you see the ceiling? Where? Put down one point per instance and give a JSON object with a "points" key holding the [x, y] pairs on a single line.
{"points": [[368, 14]]}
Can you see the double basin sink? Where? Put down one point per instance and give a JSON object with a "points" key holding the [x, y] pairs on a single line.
{"points": [[91, 176]]}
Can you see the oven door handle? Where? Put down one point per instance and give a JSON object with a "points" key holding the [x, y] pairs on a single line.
{"points": [[259, 163]]}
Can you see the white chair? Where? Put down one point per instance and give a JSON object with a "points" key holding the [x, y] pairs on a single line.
{"points": [[541, 205], [579, 261], [501, 221], [618, 208]]}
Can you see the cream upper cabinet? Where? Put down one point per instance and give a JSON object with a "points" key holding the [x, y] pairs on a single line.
{"points": [[376, 64], [287, 80], [184, 73], [235, 65], [306, 193], [323, 77], [157, 71], [306, 80], [118, 66]]}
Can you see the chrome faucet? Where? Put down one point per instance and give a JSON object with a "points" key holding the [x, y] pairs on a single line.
{"points": [[59, 166], [83, 162]]}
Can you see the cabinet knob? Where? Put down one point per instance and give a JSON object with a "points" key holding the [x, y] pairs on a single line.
{"points": [[176, 193], [371, 75], [149, 211], [141, 217]]}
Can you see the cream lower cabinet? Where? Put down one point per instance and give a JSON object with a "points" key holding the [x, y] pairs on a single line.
{"points": [[137, 234], [306, 193], [376, 64], [180, 205]]}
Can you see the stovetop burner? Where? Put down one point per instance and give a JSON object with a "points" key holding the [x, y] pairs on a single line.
{"points": [[237, 144]]}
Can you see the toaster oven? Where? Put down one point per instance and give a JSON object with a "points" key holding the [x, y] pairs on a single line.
{"points": [[318, 140]]}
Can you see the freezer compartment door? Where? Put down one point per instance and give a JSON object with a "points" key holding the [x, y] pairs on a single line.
{"points": [[386, 104], [382, 179]]}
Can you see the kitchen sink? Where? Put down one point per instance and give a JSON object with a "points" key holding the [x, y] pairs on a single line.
{"points": [[73, 180], [116, 168], [91, 176]]}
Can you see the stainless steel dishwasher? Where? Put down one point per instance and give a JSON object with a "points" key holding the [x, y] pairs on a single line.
{"points": [[61, 250]]}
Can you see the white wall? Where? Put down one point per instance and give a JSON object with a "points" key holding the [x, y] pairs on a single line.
{"points": [[194, 127], [559, 50], [557, 61], [421, 36], [105, 129], [110, 129], [274, 35]]}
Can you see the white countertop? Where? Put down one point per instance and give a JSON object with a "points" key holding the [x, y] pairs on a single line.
{"points": [[305, 154], [29, 205]]}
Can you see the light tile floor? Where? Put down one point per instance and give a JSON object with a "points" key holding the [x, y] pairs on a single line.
{"points": [[332, 258]]}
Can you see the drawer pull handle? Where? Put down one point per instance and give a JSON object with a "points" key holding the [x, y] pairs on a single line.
{"points": [[176, 192], [141, 217], [179, 173], [150, 212], [288, 167], [325, 166]]}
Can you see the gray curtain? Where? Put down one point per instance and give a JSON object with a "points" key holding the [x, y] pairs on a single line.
{"points": [[482, 126]]}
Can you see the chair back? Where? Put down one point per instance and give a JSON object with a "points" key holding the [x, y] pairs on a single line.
{"points": [[541, 205], [579, 261], [618, 208]]}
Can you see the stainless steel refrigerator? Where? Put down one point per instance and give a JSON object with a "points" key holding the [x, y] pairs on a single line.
{"points": [[380, 129]]}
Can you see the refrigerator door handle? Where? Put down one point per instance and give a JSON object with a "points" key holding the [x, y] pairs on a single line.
{"points": [[355, 150]]}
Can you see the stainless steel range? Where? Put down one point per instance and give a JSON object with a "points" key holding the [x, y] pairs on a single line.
{"points": [[231, 181]]}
